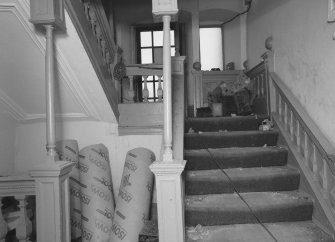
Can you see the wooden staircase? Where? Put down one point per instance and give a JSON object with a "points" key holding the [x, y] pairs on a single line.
{"points": [[239, 186]]}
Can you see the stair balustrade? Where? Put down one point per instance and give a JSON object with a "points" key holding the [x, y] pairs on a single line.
{"points": [[259, 81], [313, 153], [95, 32], [309, 143], [18, 216], [144, 70]]}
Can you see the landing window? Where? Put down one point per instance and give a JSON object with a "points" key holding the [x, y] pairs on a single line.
{"points": [[211, 54]]}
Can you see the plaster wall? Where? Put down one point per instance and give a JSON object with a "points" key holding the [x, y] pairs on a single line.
{"points": [[7, 144], [232, 43], [304, 52], [30, 149]]}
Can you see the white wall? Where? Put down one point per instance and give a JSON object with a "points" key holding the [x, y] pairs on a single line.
{"points": [[232, 43], [31, 143], [304, 49], [7, 144]]}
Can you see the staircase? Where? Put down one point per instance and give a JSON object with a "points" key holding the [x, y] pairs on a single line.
{"points": [[239, 186]]}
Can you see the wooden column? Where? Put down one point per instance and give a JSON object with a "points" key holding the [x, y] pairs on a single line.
{"points": [[167, 90], [51, 176], [169, 184], [50, 94]]}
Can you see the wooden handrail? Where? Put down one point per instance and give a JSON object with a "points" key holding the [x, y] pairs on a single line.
{"points": [[256, 70], [318, 138], [144, 70]]}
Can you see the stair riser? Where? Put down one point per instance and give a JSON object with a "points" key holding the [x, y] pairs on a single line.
{"points": [[230, 140], [279, 214], [281, 183], [203, 161]]}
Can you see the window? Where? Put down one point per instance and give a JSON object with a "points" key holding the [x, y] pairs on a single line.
{"points": [[150, 51], [211, 48]]}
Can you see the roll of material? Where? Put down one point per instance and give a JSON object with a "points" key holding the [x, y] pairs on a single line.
{"points": [[97, 194], [133, 203], [67, 150]]}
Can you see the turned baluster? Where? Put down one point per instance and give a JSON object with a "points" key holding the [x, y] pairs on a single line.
{"points": [[24, 225], [291, 126], [285, 116], [160, 89], [3, 225], [87, 9], [298, 136], [325, 175], [103, 48], [306, 151], [98, 35], [131, 89], [258, 87], [280, 108], [145, 91], [262, 86], [92, 19], [108, 62], [314, 163]]}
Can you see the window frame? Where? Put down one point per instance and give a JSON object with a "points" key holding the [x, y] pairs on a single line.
{"points": [[149, 28]]}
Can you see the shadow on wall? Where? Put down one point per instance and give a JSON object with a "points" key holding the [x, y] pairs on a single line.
{"points": [[265, 6]]}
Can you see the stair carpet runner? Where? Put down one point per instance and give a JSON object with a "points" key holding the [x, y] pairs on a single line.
{"points": [[239, 186]]}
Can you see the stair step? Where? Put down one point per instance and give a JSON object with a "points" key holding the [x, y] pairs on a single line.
{"points": [[235, 157], [243, 180], [223, 209], [250, 138], [305, 231], [224, 123]]}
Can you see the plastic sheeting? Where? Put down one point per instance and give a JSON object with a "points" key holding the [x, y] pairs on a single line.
{"points": [[97, 194], [133, 204], [67, 150]]}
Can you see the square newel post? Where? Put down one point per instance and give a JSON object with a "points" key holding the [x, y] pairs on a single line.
{"points": [[170, 204], [52, 201]]}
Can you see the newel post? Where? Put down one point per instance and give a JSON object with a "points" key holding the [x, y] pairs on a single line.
{"points": [[168, 171], [269, 59], [51, 176]]}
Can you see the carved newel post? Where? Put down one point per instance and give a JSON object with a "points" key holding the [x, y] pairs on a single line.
{"points": [[168, 171], [51, 175]]}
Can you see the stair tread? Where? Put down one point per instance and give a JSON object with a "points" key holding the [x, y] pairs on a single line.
{"points": [[244, 180], [247, 138], [224, 123], [215, 209], [236, 157], [302, 231]]}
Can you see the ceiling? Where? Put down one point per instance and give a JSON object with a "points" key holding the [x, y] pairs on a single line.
{"points": [[78, 93]]}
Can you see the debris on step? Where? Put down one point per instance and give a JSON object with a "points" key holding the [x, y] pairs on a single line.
{"points": [[266, 125], [196, 233], [191, 131], [190, 200], [265, 145]]}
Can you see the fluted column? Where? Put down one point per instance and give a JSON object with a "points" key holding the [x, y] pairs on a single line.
{"points": [[167, 90]]}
